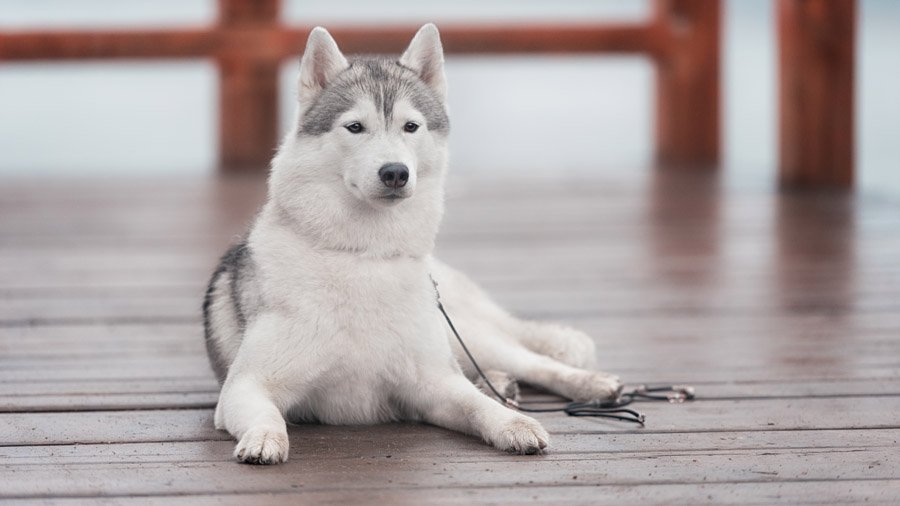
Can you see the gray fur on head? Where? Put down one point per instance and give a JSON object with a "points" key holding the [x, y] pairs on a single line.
{"points": [[330, 85]]}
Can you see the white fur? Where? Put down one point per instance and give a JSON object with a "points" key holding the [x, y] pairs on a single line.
{"points": [[350, 332]]}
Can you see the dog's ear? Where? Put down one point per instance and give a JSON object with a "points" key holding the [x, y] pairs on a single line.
{"points": [[322, 61], [425, 55]]}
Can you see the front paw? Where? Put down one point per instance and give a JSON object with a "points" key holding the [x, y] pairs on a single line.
{"points": [[522, 435], [590, 386], [262, 445]]}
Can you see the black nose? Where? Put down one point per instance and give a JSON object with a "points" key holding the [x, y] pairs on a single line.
{"points": [[394, 175]]}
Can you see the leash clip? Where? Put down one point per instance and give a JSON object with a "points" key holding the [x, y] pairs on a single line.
{"points": [[680, 394], [675, 394]]}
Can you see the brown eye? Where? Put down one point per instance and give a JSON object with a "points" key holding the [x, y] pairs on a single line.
{"points": [[355, 127], [410, 127]]}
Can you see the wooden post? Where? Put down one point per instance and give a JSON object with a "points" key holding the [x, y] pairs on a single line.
{"points": [[687, 83], [248, 91], [816, 92]]}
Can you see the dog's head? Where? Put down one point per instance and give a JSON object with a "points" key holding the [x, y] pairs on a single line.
{"points": [[370, 138]]}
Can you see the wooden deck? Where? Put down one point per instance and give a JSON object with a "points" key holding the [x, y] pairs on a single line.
{"points": [[782, 310]]}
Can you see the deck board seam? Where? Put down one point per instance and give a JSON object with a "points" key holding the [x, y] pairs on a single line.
{"points": [[396, 487]]}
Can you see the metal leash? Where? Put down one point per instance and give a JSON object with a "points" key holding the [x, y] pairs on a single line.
{"points": [[613, 408]]}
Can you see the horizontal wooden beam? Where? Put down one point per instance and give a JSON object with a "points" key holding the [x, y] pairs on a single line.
{"points": [[77, 45], [289, 41], [538, 38]]}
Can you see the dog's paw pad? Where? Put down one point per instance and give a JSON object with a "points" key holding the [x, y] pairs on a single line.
{"points": [[262, 446], [521, 435]]}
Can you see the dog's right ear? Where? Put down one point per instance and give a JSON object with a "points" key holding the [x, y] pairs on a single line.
{"points": [[322, 61]]}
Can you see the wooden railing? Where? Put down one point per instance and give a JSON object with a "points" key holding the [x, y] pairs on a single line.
{"points": [[249, 43]]}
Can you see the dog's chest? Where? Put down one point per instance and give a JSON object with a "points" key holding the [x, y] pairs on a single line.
{"points": [[366, 331]]}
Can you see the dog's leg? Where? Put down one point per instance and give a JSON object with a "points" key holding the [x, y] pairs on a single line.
{"points": [[559, 342], [479, 317], [247, 409], [490, 332], [544, 372], [455, 403], [247, 412]]}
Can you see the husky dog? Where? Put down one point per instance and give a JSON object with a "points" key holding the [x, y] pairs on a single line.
{"points": [[327, 313]]}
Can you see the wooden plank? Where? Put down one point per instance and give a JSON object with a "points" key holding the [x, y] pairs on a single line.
{"points": [[795, 289], [798, 492], [707, 390], [463, 219], [570, 217], [616, 300], [568, 242], [161, 385], [744, 260], [203, 383], [617, 340], [27, 279], [747, 415], [407, 456], [566, 304], [170, 235], [683, 359], [621, 351], [416, 441], [489, 471], [705, 368], [106, 402], [684, 350], [816, 65], [605, 198], [705, 416], [106, 427], [192, 368], [657, 371], [59, 396]]}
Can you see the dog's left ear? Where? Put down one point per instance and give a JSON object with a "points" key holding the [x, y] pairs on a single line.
{"points": [[425, 55]]}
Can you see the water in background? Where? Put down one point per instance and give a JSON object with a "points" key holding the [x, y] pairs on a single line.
{"points": [[532, 115]]}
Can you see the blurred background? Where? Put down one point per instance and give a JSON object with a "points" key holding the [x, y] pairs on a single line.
{"points": [[533, 114]]}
